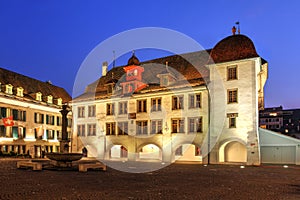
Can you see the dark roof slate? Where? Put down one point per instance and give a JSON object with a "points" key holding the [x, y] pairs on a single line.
{"points": [[32, 86]]}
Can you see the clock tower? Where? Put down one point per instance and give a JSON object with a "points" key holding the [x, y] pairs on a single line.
{"points": [[134, 77]]}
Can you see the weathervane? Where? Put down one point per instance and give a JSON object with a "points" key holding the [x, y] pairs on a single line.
{"points": [[238, 26]]}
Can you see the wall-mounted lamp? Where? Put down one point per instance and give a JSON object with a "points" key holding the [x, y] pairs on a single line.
{"points": [[166, 127]]}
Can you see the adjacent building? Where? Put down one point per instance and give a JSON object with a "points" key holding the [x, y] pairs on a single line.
{"points": [[29, 108], [277, 119]]}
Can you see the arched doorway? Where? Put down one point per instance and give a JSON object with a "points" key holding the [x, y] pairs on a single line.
{"points": [[150, 152], [188, 152], [233, 152], [118, 152]]}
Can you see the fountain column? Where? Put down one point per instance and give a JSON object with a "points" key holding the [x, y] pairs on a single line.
{"points": [[64, 142]]}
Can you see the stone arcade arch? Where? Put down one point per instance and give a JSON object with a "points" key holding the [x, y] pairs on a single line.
{"points": [[233, 150], [117, 151], [149, 151], [187, 152]]}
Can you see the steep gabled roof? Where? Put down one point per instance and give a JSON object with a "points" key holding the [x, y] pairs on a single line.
{"points": [[32, 86]]}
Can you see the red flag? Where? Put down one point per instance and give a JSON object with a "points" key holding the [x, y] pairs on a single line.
{"points": [[40, 131], [8, 121]]}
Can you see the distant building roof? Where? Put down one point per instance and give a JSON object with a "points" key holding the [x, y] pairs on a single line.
{"points": [[32, 86]]}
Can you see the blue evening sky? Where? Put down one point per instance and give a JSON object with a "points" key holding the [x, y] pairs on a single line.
{"points": [[49, 39]]}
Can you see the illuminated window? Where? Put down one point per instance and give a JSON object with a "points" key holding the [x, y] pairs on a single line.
{"points": [[177, 102], [232, 96], [142, 105], [122, 108], [195, 101], [156, 126], [195, 125], [81, 130], [232, 119], [156, 104], [58, 121], [50, 99], [92, 111], [122, 128], [91, 129], [81, 112], [111, 128], [50, 119], [38, 96], [232, 122], [110, 109], [2, 131], [38, 118], [177, 125], [232, 73], [9, 89], [69, 122], [164, 81], [141, 127], [20, 91], [19, 115], [59, 101], [50, 134]]}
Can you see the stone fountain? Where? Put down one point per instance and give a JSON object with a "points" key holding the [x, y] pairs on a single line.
{"points": [[64, 158]]}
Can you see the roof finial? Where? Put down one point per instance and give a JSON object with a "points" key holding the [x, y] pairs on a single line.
{"points": [[167, 67], [133, 52], [233, 30]]}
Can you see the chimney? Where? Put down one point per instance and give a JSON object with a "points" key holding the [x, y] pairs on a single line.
{"points": [[104, 68]]}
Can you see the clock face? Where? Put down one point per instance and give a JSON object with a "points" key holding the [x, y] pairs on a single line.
{"points": [[132, 73]]}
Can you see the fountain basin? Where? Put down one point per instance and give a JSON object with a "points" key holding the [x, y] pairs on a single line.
{"points": [[64, 157]]}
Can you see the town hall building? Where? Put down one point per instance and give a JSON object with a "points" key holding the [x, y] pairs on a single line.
{"points": [[200, 106]]}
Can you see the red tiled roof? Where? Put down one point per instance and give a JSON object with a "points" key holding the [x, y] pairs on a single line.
{"points": [[190, 66], [235, 47]]}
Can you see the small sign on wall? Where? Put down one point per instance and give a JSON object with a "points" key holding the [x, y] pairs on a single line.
{"points": [[132, 116]]}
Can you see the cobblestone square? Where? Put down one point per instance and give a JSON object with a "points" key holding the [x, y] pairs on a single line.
{"points": [[177, 181]]}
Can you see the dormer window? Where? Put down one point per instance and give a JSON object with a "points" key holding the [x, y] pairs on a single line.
{"points": [[109, 89], [164, 80], [166, 76], [38, 96], [20, 92], [9, 89], [59, 101], [50, 99]]}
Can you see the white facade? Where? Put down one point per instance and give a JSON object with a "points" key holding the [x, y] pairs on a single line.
{"points": [[244, 136], [34, 108], [100, 145], [231, 97]]}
